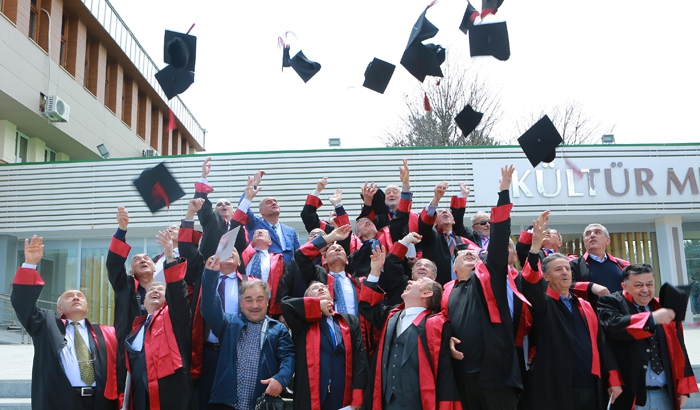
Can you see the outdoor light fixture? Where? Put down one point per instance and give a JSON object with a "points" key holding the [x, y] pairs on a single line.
{"points": [[104, 151], [334, 142], [608, 139]]}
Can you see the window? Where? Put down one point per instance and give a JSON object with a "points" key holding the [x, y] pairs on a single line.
{"points": [[86, 77], [34, 20], [49, 155], [64, 41], [21, 147]]}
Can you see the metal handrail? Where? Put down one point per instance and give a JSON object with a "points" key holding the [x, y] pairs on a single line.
{"points": [[8, 316]]}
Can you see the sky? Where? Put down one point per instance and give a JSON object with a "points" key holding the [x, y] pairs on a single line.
{"points": [[632, 65]]}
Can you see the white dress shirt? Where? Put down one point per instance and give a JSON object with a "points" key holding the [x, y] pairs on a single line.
{"points": [[409, 315], [264, 264], [68, 357], [137, 343], [348, 292]]}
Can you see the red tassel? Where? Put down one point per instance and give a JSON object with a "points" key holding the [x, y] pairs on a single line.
{"points": [[426, 102], [191, 27], [158, 194], [434, 2], [438, 82], [486, 12], [171, 121], [577, 170], [474, 15]]}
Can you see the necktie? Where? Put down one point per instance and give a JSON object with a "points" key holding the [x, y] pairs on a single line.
{"points": [[451, 243], [222, 291], [654, 356], [485, 243], [567, 303], [331, 329], [255, 270], [340, 305], [399, 324], [87, 371]]}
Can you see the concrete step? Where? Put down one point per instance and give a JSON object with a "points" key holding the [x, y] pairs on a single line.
{"points": [[15, 404], [15, 389]]}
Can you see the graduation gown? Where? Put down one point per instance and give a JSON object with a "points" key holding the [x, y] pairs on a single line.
{"points": [[167, 346], [303, 316], [628, 332], [51, 389]]}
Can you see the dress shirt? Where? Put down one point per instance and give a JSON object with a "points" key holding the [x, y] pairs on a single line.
{"points": [[348, 293], [409, 315], [652, 379], [509, 293], [231, 301], [137, 343], [67, 355], [597, 259], [278, 229], [264, 264]]}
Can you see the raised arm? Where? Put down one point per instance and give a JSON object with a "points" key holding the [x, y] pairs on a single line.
{"points": [[27, 286], [210, 305], [118, 252], [371, 296], [533, 282], [497, 252], [205, 213], [309, 213], [174, 270], [458, 206]]}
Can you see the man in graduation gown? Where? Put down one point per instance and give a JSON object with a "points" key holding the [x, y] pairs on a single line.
{"points": [[574, 365], [413, 367], [74, 366], [129, 289], [331, 365], [486, 365], [158, 349], [648, 344]]}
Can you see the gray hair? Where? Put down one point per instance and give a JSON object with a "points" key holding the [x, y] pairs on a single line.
{"points": [[549, 259], [604, 229], [252, 283], [478, 215]]}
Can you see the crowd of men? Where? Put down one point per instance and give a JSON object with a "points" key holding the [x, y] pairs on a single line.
{"points": [[413, 310]]}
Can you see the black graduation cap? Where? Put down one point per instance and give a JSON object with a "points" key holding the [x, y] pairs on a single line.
{"points": [[468, 20], [490, 40], [378, 203], [285, 57], [422, 30], [304, 67], [490, 7], [461, 247], [676, 298], [180, 52], [158, 187], [468, 119], [539, 143], [378, 74]]}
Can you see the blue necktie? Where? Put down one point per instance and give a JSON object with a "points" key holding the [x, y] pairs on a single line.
{"points": [[331, 329], [567, 303], [340, 306], [255, 270], [222, 291]]}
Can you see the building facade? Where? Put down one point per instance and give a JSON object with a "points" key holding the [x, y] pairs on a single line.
{"points": [[648, 196], [81, 53]]}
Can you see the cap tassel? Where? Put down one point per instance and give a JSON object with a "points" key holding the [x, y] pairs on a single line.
{"points": [[434, 2], [158, 194], [572, 166], [426, 103], [486, 12], [172, 126]]}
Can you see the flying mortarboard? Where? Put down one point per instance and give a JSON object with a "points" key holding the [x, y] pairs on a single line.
{"points": [[378, 74], [158, 187], [468, 20], [180, 52], [676, 298], [422, 30], [540, 142], [285, 57], [468, 119], [304, 67], [490, 7], [423, 59], [489, 40]]}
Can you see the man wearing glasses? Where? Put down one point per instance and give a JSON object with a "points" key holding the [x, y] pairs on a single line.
{"points": [[481, 229]]}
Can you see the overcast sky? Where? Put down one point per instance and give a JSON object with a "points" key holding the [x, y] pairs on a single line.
{"points": [[632, 64]]}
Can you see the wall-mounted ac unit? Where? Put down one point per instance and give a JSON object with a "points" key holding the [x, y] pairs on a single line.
{"points": [[56, 109], [150, 153]]}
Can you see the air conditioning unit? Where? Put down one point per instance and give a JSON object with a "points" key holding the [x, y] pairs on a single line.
{"points": [[150, 153], [56, 110]]}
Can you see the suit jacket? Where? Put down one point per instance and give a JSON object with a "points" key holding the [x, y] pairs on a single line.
{"points": [[554, 365], [51, 389], [167, 345], [126, 300], [291, 240], [276, 353], [628, 332], [214, 226], [303, 316], [276, 273], [438, 389]]}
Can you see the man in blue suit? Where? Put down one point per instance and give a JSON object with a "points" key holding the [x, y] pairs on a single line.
{"points": [[284, 238], [257, 354]]}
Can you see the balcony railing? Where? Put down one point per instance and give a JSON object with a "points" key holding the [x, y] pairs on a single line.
{"points": [[109, 19]]}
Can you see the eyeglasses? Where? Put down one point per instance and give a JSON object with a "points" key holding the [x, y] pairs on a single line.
{"points": [[226, 203], [482, 223]]}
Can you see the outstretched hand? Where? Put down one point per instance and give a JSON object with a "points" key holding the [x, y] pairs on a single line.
{"points": [[165, 240], [212, 263], [368, 191], [122, 218], [206, 167], [321, 184], [506, 176], [339, 234], [251, 190], [33, 250], [539, 230], [464, 190], [257, 178], [439, 192], [337, 197], [411, 238], [377, 260], [404, 174]]}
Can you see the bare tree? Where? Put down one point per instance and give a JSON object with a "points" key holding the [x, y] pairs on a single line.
{"points": [[573, 122], [459, 87]]}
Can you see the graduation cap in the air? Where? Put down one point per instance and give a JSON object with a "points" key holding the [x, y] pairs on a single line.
{"points": [[423, 59], [378, 74], [304, 67], [468, 20], [540, 142], [489, 40], [285, 57], [676, 298], [468, 119], [180, 52], [490, 7], [158, 187]]}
